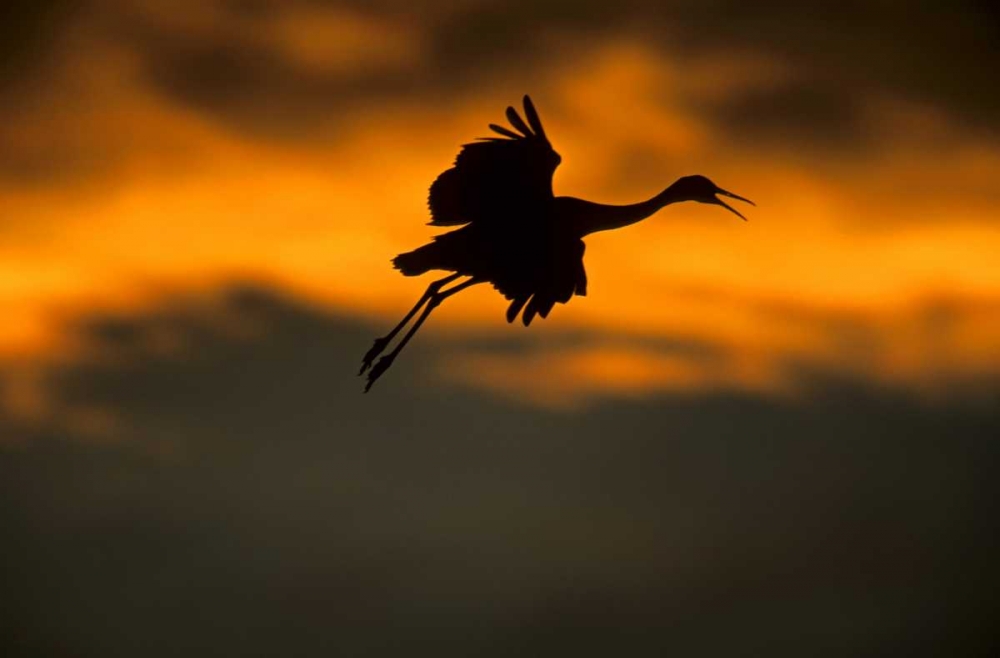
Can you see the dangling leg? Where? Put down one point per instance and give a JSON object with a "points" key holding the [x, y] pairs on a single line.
{"points": [[382, 343], [436, 298]]}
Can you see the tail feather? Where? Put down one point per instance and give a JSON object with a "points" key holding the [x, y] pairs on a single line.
{"points": [[420, 260]]}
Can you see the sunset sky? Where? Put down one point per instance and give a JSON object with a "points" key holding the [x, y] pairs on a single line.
{"points": [[199, 200]]}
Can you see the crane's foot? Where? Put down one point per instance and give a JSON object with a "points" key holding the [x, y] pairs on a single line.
{"points": [[377, 348], [380, 367]]}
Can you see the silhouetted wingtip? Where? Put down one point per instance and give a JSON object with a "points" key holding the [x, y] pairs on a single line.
{"points": [[518, 123], [532, 116], [504, 131], [515, 307]]}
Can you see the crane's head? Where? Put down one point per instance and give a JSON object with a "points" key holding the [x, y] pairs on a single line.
{"points": [[702, 190]]}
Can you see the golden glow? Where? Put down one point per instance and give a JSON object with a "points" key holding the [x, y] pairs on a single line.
{"points": [[884, 267]]}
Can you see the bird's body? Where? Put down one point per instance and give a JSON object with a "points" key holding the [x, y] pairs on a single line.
{"points": [[543, 263], [514, 232]]}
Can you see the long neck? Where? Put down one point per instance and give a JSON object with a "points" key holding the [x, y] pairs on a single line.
{"points": [[600, 217]]}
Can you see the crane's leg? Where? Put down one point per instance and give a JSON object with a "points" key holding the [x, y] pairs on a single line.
{"points": [[383, 342], [434, 301]]}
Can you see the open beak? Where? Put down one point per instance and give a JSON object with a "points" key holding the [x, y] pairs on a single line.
{"points": [[725, 205]]}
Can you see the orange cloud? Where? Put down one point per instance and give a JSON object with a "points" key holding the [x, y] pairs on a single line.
{"points": [[877, 241]]}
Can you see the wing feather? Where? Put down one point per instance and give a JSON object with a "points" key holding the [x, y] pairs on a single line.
{"points": [[518, 123], [542, 280], [497, 180], [532, 116], [530, 311], [504, 131]]}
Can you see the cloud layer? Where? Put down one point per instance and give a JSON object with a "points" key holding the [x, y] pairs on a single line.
{"points": [[767, 439], [246, 498]]}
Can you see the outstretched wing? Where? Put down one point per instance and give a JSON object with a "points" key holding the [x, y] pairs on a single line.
{"points": [[544, 278], [498, 179]]}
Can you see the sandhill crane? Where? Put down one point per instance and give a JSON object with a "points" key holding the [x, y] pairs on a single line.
{"points": [[515, 234]]}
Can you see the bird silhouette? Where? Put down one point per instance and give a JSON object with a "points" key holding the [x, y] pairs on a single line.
{"points": [[515, 233]]}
